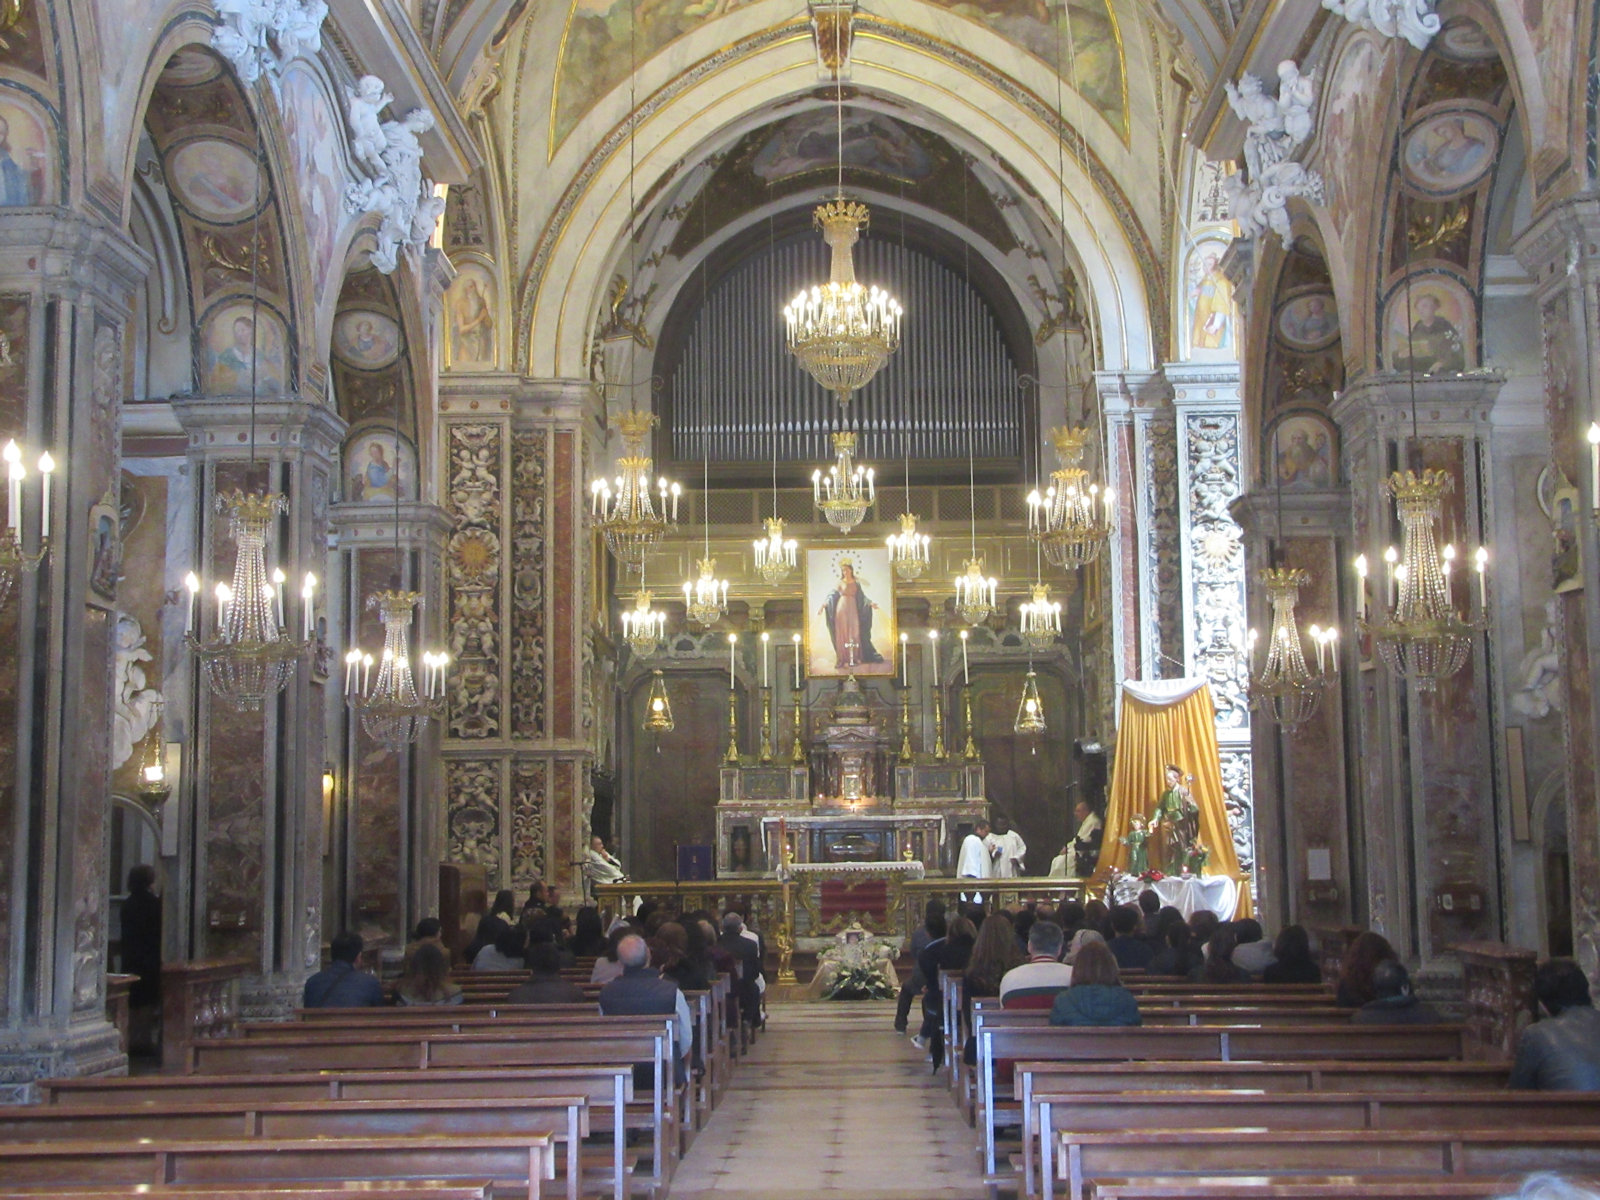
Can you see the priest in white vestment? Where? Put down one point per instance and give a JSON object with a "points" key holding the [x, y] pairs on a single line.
{"points": [[976, 860], [1008, 850], [600, 865]]}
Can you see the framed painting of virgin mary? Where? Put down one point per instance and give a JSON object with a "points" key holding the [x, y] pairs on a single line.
{"points": [[850, 616]]}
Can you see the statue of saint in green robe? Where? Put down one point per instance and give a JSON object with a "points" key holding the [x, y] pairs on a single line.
{"points": [[1177, 817]]}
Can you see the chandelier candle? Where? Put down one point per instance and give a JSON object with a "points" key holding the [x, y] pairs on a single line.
{"points": [[905, 660], [766, 646], [966, 673], [733, 643], [796, 639], [933, 653]]}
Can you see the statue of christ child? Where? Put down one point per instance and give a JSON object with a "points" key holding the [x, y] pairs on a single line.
{"points": [[848, 612], [1134, 840]]}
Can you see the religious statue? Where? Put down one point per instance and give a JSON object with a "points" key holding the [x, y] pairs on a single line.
{"points": [[1277, 126], [848, 611], [364, 101], [1178, 816], [1134, 840], [1196, 857]]}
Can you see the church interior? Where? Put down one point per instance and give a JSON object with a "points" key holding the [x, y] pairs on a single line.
{"points": [[827, 461]]}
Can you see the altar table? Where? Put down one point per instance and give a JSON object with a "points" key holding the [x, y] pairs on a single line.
{"points": [[1186, 893]]}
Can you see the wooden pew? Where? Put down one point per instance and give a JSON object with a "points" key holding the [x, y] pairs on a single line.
{"points": [[564, 1117], [1439, 1152], [607, 1089], [1289, 1187], [521, 1161], [421, 1189]]}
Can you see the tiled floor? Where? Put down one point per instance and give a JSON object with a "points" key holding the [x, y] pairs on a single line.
{"points": [[833, 1102]]}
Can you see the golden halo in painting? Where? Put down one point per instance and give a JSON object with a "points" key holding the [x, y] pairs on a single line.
{"points": [[216, 180]]}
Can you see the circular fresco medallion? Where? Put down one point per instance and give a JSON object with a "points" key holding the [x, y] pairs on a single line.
{"points": [[217, 181], [1450, 151]]}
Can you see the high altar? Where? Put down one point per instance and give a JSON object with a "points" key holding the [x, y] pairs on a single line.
{"points": [[858, 796]]}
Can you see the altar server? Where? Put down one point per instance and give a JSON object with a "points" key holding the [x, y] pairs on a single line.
{"points": [[976, 860], [1008, 849]]}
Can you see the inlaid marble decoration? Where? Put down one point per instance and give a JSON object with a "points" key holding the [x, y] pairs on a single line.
{"points": [[315, 136], [470, 306], [379, 468], [216, 180], [228, 351], [528, 537], [1450, 152], [1430, 327], [472, 808], [529, 800], [27, 155], [1309, 321], [472, 574], [368, 340]]}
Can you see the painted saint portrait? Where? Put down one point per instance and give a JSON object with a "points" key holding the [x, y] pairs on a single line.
{"points": [[1302, 453], [218, 181], [1450, 152], [26, 162], [229, 351], [470, 306], [850, 614], [1309, 321], [872, 142], [365, 339], [1211, 307], [1440, 334], [379, 469]]}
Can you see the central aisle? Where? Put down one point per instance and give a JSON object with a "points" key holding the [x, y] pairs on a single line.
{"points": [[833, 1102]]}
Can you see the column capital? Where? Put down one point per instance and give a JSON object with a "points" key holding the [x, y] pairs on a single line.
{"points": [[1444, 405], [218, 427], [555, 401], [63, 253], [1123, 392], [1564, 240], [360, 526], [1266, 515], [1204, 385]]}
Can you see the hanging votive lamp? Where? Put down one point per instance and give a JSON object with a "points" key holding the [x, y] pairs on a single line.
{"points": [[1030, 709], [658, 707]]}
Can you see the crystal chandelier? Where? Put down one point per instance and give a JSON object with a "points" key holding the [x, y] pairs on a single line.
{"points": [[1041, 618], [975, 595], [1030, 710], [14, 560], [1420, 634], [394, 712], [775, 554], [1285, 690], [658, 707], [622, 508], [846, 492], [643, 627], [251, 656], [706, 599], [908, 549], [1072, 520], [842, 332]]}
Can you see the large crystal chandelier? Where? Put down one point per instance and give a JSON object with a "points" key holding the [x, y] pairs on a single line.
{"points": [[1421, 634], [623, 509], [908, 549], [394, 711], [15, 561], [975, 594], [1285, 690], [1072, 520], [775, 554], [846, 492], [1041, 618], [705, 600], [250, 656]]}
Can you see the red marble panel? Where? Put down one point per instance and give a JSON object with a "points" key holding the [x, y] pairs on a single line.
{"points": [[375, 823], [566, 591]]}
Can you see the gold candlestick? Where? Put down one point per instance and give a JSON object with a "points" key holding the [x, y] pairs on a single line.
{"points": [[970, 750], [938, 723], [797, 752], [766, 724], [785, 936], [905, 725], [732, 756]]}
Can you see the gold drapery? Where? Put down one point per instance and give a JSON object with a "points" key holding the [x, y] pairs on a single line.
{"points": [[1153, 732]]}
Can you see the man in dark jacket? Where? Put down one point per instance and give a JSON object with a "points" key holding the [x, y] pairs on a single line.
{"points": [[1132, 952], [340, 984], [546, 986], [641, 991], [1560, 1052], [1394, 1004], [748, 952]]}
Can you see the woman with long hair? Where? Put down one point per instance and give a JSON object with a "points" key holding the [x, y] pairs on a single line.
{"points": [[1293, 962], [993, 954], [428, 980], [1355, 971], [1096, 996], [1219, 966]]}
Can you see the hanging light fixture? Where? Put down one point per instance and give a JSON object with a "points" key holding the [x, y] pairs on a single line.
{"points": [[976, 594], [847, 491], [1284, 689], [643, 627], [1072, 520], [908, 549], [1041, 618], [840, 331], [14, 560], [394, 711], [776, 555], [658, 707], [626, 514], [705, 599], [1421, 634], [1030, 709], [152, 787]]}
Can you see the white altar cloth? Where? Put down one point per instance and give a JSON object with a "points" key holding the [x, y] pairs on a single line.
{"points": [[1186, 893], [911, 869]]}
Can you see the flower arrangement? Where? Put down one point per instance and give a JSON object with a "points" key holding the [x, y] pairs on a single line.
{"points": [[1151, 876], [859, 981]]}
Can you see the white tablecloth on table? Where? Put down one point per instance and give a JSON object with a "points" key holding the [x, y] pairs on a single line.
{"points": [[1190, 893]]}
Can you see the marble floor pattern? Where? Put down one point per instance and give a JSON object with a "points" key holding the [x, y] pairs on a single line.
{"points": [[833, 1102]]}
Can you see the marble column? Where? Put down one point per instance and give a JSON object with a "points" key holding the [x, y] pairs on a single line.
{"points": [[66, 289], [1424, 799], [385, 836], [1561, 250], [252, 803]]}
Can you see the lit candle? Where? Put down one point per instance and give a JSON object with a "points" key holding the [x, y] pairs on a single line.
{"points": [[224, 599], [1316, 638], [13, 457], [307, 591], [933, 639], [1391, 556], [1594, 464], [46, 466], [351, 662], [278, 580], [796, 640], [766, 640], [1333, 645], [966, 671], [905, 661], [733, 642], [192, 582], [1361, 587], [1481, 561]]}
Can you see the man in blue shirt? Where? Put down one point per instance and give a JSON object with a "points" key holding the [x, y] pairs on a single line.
{"points": [[340, 984]]}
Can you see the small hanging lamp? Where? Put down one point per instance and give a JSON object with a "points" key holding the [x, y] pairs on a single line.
{"points": [[1030, 710], [658, 708]]}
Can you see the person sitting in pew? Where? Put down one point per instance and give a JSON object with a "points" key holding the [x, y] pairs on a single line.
{"points": [[1560, 1052], [1130, 950], [1035, 983], [606, 967], [1219, 966], [427, 980], [1179, 956], [545, 986], [1150, 910], [1355, 970], [429, 929], [1096, 996], [341, 984], [506, 953], [641, 991], [1253, 954], [1292, 958], [1394, 1003]]}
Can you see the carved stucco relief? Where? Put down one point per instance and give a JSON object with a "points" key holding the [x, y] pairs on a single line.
{"points": [[472, 789], [472, 574], [528, 528], [529, 797]]}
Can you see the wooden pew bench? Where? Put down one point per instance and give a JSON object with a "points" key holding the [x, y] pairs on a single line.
{"points": [[519, 1162], [563, 1118], [421, 1189], [1308, 1187]]}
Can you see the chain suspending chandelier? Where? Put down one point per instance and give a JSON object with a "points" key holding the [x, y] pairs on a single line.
{"points": [[623, 509], [15, 561], [1071, 521], [1421, 634], [394, 711], [847, 491], [1285, 690]]}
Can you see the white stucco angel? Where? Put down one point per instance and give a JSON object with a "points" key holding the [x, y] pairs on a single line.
{"points": [[1265, 142], [364, 102], [1413, 20], [136, 706], [297, 25], [399, 192], [1297, 95], [241, 36]]}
